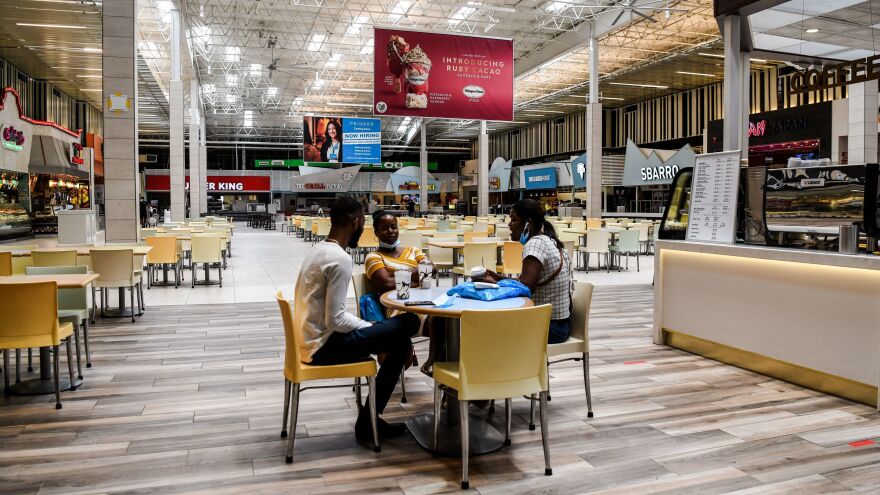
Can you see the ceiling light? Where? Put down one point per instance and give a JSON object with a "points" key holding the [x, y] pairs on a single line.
{"points": [[367, 49], [811, 30], [316, 42], [232, 53], [91, 90], [462, 13], [231, 79], [716, 55], [77, 68], [256, 70], [343, 104], [356, 90], [654, 86], [271, 91], [610, 98], [334, 60], [164, 5], [55, 26], [88, 76], [319, 83], [694, 73], [92, 50]]}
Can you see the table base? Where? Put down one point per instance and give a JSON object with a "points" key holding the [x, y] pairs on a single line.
{"points": [[38, 386], [484, 438], [116, 313]]}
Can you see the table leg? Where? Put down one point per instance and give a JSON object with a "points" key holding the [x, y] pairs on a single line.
{"points": [[483, 436], [122, 310], [44, 384]]}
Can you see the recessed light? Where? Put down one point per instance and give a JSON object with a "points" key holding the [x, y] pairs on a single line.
{"points": [[655, 86], [694, 73], [56, 26], [811, 30]]}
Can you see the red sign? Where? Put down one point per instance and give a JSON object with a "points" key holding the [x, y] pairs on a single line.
{"points": [[757, 129], [442, 75], [76, 150], [216, 183]]}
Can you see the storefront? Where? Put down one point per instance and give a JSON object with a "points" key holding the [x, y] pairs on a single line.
{"points": [[803, 133], [647, 175], [541, 185], [226, 194]]}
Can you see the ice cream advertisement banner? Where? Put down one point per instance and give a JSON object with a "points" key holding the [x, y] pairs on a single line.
{"points": [[418, 74], [579, 171]]}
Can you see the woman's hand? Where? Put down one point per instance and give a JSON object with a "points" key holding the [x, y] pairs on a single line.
{"points": [[490, 277]]}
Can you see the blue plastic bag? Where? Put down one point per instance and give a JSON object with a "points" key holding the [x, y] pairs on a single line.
{"points": [[507, 289], [371, 310]]}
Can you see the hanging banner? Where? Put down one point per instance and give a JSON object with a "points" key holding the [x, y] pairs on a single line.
{"points": [[499, 175], [342, 140], [408, 181], [320, 180], [579, 172], [418, 74], [644, 166], [540, 178]]}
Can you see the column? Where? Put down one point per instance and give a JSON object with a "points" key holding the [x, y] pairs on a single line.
{"points": [[736, 87], [196, 182], [177, 151], [483, 172], [121, 186], [423, 168], [594, 135], [203, 168], [862, 140]]}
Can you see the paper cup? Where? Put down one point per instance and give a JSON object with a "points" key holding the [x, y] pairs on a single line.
{"points": [[402, 281]]}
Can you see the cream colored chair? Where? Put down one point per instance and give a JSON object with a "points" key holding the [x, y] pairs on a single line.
{"points": [[578, 224], [502, 232], [296, 373], [475, 254], [37, 326], [368, 242], [644, 237], [597, 243], [442, 259], [594, 223], [207, 249], [481, 226], [471, 236], [165, 253], [115, 269], [414, 239], [628, 245], [503, 354], [5, 264], [511, 258]]}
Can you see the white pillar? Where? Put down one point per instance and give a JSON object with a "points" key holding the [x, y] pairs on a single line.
{"points": [[423, 168], [121, 191], [483, 173], [736, 87], [176, 157], [196, 182], [594, 136], [203, 167], [862, 140]]}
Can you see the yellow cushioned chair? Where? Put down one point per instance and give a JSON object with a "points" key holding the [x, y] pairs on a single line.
{"points": [[476, 254], [165, 252], [54, 258], [207, 249], [296, 372], [35, 327], [503, 354], [115, 268], [5, 264], [511, 259]]}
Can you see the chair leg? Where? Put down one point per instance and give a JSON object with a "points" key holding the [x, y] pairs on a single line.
{"points": [[371, 384], [18, 366], [94, 304], [70, 365], [532, 412], [6, 388], [86, 342], [57, 370], [403, 386], [30, 360], [79, 367], [586, 360], [438, 399], [465, 437], [357, 391], [545, 436], [286, 408], [637, 263], [291, 430], [508, 416], [131, 299], [220, 271]]}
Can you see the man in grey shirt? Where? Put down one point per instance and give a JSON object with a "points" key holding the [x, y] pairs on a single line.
{"points": [[330, 334]]}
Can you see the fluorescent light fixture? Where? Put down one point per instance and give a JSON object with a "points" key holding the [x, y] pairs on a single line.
{"points": [[231, 80], [256, 70], [718, 55], [356, 90], [164, 5], [343, 104], [654, 86], [811, 30], [272, 91], [541, 111], [230, 98], [610, 98], [319, 83], [462, 13], [88, 76], [78, 68], [555, 7], [91, 90], [686, 73], [248, 118], [316, 42], [334, 60], [53, 26], [232, 53], [571, 104]]}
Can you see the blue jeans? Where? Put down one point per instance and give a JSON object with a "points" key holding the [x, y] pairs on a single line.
{"points": [[559, 331], [391, 336]]}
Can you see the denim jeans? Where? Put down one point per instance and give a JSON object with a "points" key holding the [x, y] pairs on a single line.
{"points": [[559, 331], [391, 336]]}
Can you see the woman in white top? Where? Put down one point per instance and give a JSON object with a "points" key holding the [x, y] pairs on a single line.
{"points": [[331, 148], [546, 269]]}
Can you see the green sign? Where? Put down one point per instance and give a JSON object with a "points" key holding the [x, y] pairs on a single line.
{"points": [[297, 162]]}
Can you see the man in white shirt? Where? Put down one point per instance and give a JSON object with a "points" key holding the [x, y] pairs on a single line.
{"points": [[330, 334]]}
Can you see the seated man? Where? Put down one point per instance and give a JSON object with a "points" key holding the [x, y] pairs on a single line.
{"points": [[331, 335]]}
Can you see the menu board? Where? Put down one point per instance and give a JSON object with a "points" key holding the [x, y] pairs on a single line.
{"points": [[712, 215]]}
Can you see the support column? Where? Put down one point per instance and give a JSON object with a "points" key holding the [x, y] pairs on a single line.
{"points": [[176, 154], [119, 60], [483, 172], [736, 87], [594, 135], [196, 181], [423, 168], [203, 167], [862, 140]]}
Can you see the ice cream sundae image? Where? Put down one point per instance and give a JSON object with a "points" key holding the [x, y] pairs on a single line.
{"points": [[395, 51], [416, 66]]}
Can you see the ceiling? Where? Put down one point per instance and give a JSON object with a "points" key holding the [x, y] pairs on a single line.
{"points": [[263, 64]]}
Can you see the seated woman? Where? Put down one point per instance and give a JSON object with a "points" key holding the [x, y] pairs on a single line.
{"points": [[381, 264], [546, 268]]}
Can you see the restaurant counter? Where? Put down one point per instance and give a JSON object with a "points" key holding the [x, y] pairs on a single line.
{"points": [[804, 316]]}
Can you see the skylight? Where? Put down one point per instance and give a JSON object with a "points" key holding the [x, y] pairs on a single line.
{"points": [[316, 42]]}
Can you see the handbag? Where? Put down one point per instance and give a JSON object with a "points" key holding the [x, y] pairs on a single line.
{"points": [[371, 310]]}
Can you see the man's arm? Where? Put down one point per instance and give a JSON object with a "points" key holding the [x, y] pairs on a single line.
{"points": [[335, 315]]}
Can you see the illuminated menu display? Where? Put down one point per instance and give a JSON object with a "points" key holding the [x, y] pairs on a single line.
{"points": [[712, 215]]}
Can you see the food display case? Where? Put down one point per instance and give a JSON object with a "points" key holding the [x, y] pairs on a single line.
{"points": [[14, 221]]}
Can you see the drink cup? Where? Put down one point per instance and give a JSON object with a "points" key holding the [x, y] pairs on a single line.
{"points": [[425, 272], [402, 281]]}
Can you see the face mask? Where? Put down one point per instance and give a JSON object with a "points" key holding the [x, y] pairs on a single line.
{"points": [[385, 245], [524, 236]]}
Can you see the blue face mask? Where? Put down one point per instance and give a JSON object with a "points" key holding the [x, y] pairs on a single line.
{"points": [[385, 245], [524, 236]]}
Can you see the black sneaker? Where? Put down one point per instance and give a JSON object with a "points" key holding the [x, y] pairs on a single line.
{"points": [[364, 430]]}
